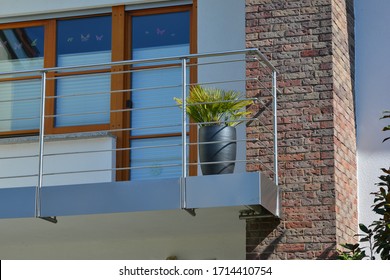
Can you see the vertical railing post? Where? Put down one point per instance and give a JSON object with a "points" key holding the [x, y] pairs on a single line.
{"points": [[275, 126], [41, 146], [184, 117], [184, 134]]}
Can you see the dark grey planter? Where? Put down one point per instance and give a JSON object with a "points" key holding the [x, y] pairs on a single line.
{"points": [[225, 150]]}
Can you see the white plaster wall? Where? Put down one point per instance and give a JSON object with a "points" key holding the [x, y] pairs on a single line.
{"points": [[372, 97], [19, 160]]}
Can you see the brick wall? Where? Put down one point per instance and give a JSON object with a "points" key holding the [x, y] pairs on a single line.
{"points": [[344, 122], [309, 42]]}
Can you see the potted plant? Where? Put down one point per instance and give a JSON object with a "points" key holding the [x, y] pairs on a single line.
{"points": [[217, 113]]}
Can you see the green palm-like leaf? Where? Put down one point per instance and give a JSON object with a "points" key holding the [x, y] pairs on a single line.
{"points": [[215, 106]]}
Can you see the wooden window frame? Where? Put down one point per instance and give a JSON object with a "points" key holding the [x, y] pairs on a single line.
{"points": [[50, 61], [45, 24], [51, 91], [123, 157], [120, 50]]}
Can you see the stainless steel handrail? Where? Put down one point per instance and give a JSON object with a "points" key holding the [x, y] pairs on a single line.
{"points": [[184, 63]]}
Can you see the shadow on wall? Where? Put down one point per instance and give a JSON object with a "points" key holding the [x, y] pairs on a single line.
{"points": [[258, 232], [264, 237]]}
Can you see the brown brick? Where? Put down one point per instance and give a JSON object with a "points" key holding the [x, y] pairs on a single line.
{"points": [[311, 43]]}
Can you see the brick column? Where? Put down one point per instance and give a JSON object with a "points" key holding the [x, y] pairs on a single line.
{"points": [[310, 42]]}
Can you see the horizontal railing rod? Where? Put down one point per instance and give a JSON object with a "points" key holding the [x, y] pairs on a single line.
{"points": [[79, 95], [21, 119], [132, 62], [110, 169], [127, 149], [218, 82], [223, 101], [19, 157], [264, 89], [223, 141], [21, 100], [19, 176], [135, 90], [265, 126], [79, 114], [265, 108], [110, 150], [214, 62], [234, 161], [143, 108], [264, 59], [228, 121], [157, 64], [147, 167]]}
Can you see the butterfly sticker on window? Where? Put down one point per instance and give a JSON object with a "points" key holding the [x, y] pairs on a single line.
{"points": [[18, 46], [84, 38], [3, 44], [70, 39], [160, 32], [34, 43], [99, 38]]}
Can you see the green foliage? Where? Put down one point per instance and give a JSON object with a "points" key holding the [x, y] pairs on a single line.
{"points": [[378, 233], [381, 227], [354, 252], [215, 106], [386, 114]]}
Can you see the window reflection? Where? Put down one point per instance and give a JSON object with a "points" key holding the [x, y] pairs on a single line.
{"points": [[21, 43], [21, 48]]}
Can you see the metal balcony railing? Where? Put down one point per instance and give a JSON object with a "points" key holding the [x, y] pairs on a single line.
{"points": [[116, 100]]}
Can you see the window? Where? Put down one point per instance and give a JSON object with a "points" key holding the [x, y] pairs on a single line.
{"points": [[152, 36], [119, 98], [21, 49], [83, 99]]}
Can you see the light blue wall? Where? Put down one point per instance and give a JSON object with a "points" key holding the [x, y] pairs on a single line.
{"points": [[221, 27], [372, 96]]}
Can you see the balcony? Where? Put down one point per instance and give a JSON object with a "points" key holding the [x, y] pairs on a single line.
{"points": [[132, 148]]}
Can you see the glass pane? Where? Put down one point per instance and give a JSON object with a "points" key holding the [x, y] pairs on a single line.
{"points": [[162, 161], [21, 49], [83, 100], [153, 93], [84, 41], [19, 105], [157, 36], [162, 51], [161, 35]]}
